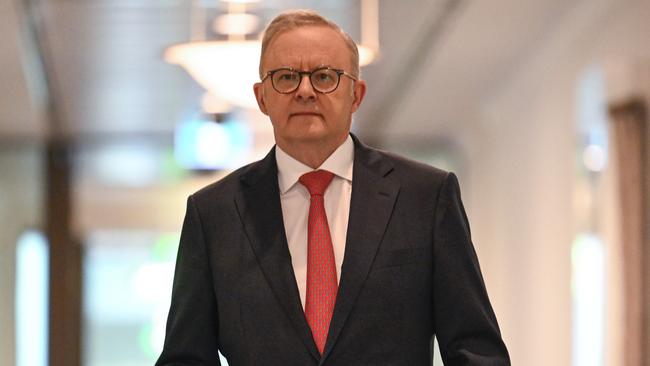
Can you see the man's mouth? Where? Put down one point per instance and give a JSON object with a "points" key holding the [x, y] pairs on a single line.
{"points": [[305, 114]]}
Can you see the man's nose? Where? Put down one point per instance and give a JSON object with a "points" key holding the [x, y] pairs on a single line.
{"points": [[305, 91]]}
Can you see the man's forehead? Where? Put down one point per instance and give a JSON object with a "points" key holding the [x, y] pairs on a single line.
{"points": [[313, 45]]}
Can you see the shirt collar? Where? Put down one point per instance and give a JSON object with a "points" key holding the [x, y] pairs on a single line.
{"points": [[339, 162]]}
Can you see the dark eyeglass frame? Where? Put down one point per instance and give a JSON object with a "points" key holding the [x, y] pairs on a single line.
{"points": [[302, 74]]}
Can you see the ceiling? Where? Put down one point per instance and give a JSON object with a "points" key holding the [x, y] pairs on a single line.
{"points": [[106, 76]]}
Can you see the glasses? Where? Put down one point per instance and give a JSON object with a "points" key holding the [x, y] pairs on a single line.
{"points": [[324, 80]]}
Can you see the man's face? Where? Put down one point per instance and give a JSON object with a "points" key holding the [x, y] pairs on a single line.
{"points": [[305, 115]]}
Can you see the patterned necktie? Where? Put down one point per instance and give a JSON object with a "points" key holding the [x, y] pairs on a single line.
{"points": [[321, 267]]}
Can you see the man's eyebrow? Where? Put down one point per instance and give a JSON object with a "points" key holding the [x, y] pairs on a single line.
{"points": [[320, 66]]}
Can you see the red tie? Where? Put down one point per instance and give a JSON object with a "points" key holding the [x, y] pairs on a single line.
{"points": [[321, 267]]}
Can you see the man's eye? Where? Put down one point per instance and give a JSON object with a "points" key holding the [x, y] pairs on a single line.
{"points": [[323, 76], [286, 77]]}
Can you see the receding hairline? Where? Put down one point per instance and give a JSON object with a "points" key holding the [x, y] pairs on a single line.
{"points": [[295, 19]]}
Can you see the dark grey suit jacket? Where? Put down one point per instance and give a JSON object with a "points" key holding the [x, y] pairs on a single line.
{"points": [[409, 272]]}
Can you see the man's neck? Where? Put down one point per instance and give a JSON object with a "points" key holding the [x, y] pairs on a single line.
{"points": [[311, 153]]}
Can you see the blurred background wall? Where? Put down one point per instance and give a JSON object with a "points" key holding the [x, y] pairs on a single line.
{"points": [[538, 106]]}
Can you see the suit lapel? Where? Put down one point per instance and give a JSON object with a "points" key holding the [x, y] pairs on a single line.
{"points": [[261, 213], [373, 196]]}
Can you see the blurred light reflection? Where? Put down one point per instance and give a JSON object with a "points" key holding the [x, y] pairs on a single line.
{"points": [[32, 291], [588, 284], [206, 145]]}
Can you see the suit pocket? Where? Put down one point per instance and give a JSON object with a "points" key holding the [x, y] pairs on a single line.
{"points": [[399, 257]]}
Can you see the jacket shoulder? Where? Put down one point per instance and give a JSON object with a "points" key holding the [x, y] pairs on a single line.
{"points": [[412, 171], [223, 188]]}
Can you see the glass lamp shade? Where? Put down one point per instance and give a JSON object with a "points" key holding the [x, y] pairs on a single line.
{"points": [[366, 55], [225, 68]]}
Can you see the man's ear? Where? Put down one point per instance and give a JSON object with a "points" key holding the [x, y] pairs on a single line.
{"points": [[258, 89], [359, 91]]}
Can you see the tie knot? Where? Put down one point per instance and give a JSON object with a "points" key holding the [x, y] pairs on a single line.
{"points": [[316, 181]]}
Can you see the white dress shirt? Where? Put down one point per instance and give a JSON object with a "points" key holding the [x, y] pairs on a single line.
{"points": [[295, 200]]}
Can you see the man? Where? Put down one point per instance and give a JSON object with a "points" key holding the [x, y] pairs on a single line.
{"points": [[326, 252]]}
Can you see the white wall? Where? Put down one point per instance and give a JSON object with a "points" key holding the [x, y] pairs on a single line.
{"points": [[521, 175]]}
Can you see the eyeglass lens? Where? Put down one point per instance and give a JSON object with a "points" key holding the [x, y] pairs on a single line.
{"points": [[323, 80]]}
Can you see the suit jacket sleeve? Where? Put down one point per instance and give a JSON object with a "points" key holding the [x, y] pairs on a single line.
{"points": [[465, 324], [191, 337]]}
